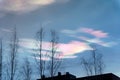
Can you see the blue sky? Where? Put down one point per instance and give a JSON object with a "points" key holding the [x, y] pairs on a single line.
{"points": [[78, 22]]}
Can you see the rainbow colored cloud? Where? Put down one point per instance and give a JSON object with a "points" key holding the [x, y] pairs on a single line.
{"points": [[67, 50], [70, 49], [98, 35]]}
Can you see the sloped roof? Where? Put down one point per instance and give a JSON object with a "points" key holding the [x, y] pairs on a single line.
{"points": [[108, 76]]}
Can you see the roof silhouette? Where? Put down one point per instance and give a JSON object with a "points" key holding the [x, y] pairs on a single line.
{"points": [[68, 76]]}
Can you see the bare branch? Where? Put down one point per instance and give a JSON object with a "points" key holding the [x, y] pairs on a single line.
{"points": [[39, 44], [95, 64], [13, 62], [55, 61], [27, 70]]}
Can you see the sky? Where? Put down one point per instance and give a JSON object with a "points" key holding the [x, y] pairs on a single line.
{"points": [[78, 22]]}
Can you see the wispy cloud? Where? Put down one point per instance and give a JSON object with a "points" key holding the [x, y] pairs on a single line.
{"points": [[70, 49], [98, 41], [32, 44], [68, 57], [21, 6], [67, 50], [96, 33], [93, 32], [27, 43], [43, 58], [6, 30]]}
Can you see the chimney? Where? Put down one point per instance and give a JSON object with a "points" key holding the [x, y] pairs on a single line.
{"points": [[59, 73], [67, 73], [43, 76], [67, 76]]}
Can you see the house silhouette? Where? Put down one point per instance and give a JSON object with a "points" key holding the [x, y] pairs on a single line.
{"points": [[68, 76]]}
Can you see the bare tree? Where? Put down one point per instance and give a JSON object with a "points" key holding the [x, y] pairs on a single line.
{"points": [[95, 64], [86, 64], [97, 60], [12, 61], [55, 62], [1, 58], [52, 54], [27, 70], [39, 44]]}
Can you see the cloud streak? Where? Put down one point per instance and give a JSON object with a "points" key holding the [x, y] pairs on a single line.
{"points": [[98, 41], [93, 32], [6, 30], [96, 33]]}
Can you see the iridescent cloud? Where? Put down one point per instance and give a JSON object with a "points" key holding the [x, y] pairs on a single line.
{"points": [[73, 47], [98, 41], [22, 6], [93, 32], [67, 50], [96, 33]]}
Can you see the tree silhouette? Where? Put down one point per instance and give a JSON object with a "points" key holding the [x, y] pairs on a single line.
{"points": [[55, 60], [39, 44], [94, 65], [26, 70], [12, 64]]}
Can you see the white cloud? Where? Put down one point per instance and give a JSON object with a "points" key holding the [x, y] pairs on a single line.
{"points": [[6, 30], [98, 41], [27, 43], [69, 57], [90, 31], [43, 58], [22, 6]]}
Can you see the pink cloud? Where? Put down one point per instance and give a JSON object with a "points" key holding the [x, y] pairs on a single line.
{"points": [[67, 50], [96, 33], [73, 48]]}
